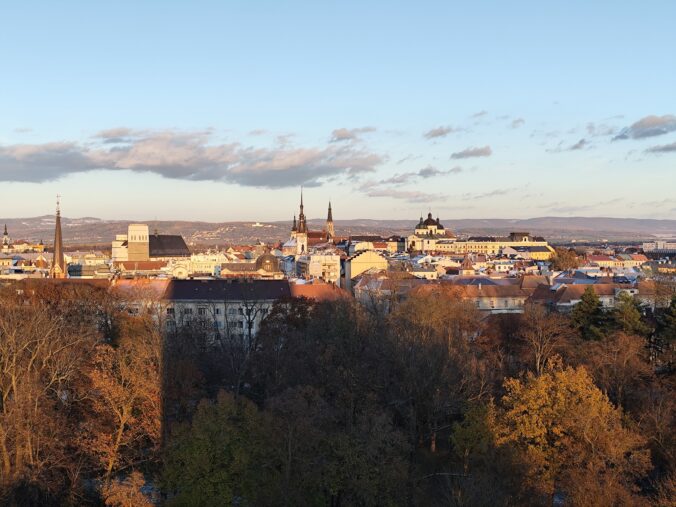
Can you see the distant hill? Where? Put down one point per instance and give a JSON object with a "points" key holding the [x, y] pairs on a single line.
{"points": [[90, 230]]}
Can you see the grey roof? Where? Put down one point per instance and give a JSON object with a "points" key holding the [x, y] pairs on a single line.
{"points": [[168, 245], [227, 290]]}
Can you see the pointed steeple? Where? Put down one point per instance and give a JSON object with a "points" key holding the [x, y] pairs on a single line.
{"points": [[5, 233], [58, 262], [330, 232], [295, 227], [302, 225]]}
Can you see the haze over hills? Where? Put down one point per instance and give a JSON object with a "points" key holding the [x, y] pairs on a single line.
{"points": [[90, 230]]}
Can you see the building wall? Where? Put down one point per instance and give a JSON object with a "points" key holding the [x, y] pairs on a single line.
{"points": [[225, 318], [362, 262], [326, 267], [138, 244]]}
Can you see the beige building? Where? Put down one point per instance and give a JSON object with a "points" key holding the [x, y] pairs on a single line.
{"points": [[361, 262], [493, 245], [427, 234], [323, 266], [138, 245]]}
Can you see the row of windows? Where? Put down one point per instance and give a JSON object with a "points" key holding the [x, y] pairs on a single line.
{"points": [[203, 311]]}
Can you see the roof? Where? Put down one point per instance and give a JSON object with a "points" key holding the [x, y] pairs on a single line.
{"points": [[366, 238], [478, 291], [151, 288], [429, 221], [599, 258], [565, 294], [532, 281], [532, 249], [168, 245], [227, 290], [239, 266], [364, 252], [317, 291], [140, 265]]}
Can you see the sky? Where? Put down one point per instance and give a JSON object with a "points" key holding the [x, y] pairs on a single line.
{"points": [[222, 110]]}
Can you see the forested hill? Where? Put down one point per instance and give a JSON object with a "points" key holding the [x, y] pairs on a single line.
{"points": [[89, 230]]}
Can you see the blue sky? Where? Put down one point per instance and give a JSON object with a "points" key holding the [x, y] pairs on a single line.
{"points": [[221, 110]]}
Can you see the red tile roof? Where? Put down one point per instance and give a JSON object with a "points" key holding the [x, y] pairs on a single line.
{"points": [[318, 291]]}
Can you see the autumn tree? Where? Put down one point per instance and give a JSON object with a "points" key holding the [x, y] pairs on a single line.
{"points": [[40, 357], [564, 259], [571, 437], [127, 492], [125, 379]]}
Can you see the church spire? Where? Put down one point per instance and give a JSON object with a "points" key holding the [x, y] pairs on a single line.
{"points": [[302, 225], [295, 227], [58, 262], [330, 232]]}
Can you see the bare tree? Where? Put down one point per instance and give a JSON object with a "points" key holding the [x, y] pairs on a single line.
{"points": [[542, 332]]}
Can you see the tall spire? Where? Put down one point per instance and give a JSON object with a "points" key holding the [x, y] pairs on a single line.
{"points": [[302, 225], [295, 227], [58, 262], [330, 232], [5, 233]]}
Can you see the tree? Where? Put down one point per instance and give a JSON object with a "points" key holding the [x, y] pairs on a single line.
{"points": [[218, 458], [571, 437], [665, 336], [40, 359], [564, 259], [626, 316], [127, 492], [541, 332], [125, 419], [588, 315], [619, 365], [489, 474]]}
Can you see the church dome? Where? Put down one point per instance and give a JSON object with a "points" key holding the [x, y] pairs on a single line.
{"points": [[267, 262], [430, 221]]}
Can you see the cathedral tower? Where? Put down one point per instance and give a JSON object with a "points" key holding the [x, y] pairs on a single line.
{"points": [[330, 231]]}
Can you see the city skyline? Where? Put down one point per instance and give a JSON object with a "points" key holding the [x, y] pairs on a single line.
{"points": [[221, 113]]}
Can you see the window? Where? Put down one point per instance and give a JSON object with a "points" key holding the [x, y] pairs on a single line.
{"points": [[240, 311], [187, 311], [170, 312], [202, 311], [218, 311]]}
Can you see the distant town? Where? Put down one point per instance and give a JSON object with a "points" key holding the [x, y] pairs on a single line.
{"points": [[498, 274]]}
